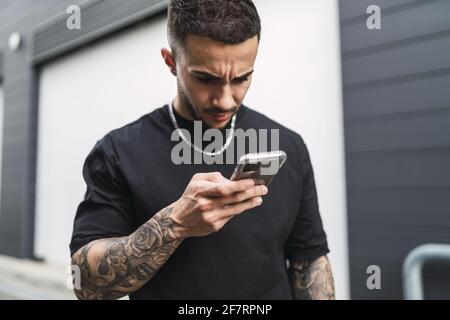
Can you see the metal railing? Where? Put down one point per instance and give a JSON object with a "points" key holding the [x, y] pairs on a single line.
{"points": [[413, 267]]}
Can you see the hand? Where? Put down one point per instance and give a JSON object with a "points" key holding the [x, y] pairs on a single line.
{"points": [[210, 201]]}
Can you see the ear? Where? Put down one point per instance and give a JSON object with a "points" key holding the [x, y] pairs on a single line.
{"points": [[169, 60]]}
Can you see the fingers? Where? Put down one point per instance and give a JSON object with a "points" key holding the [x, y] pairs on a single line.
{"points": [[238, 208], [218, 218], [227, 188], [252, 192]]}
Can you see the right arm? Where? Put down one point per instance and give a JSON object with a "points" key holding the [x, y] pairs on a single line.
{"points": [[114, 268]]}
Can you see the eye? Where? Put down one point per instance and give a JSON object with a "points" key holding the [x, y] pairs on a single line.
{"points": [[240, 80], [206, 80]]}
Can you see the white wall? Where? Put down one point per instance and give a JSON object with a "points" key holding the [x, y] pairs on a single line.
{"points": [[297, 82]]}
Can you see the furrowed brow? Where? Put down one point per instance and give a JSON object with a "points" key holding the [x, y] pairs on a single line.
{"points": [[206, 74], [215, 77]]}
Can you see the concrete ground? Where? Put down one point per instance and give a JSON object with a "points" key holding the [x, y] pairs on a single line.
{"points": [[30, 280]]}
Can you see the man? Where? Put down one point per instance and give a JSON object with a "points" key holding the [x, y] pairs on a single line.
{"points": [[152, 229]]}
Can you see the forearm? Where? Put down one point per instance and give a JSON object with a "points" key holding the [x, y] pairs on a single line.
{"points": [[114, 268], [312, 280]]}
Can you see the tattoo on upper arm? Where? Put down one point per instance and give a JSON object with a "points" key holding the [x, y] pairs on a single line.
{"points": [[312, 280], [113, 268]]}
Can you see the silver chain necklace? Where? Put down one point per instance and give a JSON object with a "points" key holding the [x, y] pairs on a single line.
{"points": [[211, 154]]}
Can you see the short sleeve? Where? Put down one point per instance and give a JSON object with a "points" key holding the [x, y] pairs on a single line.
{"points": [[307, 239], [106, 210]]}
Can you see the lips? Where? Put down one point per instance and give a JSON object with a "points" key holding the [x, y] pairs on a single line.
{"points": [[221, 117]]}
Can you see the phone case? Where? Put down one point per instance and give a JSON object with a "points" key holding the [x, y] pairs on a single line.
{"points": [[259, 166]]}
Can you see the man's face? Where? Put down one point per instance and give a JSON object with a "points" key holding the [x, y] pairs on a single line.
{"points": [[213, 77]]}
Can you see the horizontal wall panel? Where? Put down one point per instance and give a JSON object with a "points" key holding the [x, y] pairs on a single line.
{"points": [[410, 170], [415, 20], [421, 94], [351, 9], [392, 242], [98, 19], [418, 57], [412, 208], [400, 134]]}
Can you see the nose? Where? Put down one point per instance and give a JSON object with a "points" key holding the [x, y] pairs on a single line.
{"points": [[224, 99]]}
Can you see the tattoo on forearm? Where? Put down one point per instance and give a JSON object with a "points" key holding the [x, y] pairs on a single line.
{"points": [[113, 268], [312, 280]]}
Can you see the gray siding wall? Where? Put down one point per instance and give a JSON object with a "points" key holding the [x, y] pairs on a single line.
{"points": [[397, 135], [1, 66]]}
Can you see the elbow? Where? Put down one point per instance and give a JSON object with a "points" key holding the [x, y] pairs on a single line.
{"points": [[83, 286]]}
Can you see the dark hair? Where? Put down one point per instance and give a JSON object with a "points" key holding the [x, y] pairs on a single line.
{"points": [[226, 21]]}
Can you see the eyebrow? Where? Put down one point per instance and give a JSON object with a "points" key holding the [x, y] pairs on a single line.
{"points": [[215, 77]]}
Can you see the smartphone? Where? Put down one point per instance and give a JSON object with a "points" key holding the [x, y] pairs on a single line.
{"points": [[259, 166]]}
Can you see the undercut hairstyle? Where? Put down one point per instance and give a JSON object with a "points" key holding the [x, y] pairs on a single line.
{"points": [[226, 21]]}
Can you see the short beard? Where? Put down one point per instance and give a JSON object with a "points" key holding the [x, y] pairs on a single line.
{"points": [[187, 102], [191, 109]]}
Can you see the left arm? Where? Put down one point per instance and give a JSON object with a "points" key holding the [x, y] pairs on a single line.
{"points": [[311, 280]]}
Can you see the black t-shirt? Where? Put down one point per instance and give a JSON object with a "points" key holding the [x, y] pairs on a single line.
{"points": [[130, 177]]}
